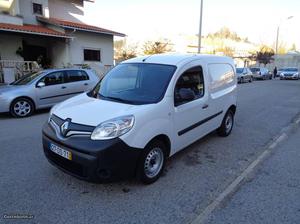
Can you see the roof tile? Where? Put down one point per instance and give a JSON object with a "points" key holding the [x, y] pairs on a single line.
{"points": [[81, 26], [32, 29]]}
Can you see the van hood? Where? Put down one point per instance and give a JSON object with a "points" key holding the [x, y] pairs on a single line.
{"points": [[86, 110]]}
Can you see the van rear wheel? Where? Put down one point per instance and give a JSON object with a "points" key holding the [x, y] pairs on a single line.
{"points": [[152, 162], [227, 124]]}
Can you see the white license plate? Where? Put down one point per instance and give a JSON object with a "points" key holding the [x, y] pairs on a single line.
{"points": [[59, 151]]}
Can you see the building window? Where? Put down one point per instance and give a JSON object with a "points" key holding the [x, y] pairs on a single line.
{"points": [[91, 55], [37, 8]]}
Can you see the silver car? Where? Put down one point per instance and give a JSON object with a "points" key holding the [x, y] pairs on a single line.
{"points": [[289, 73], [44, 89], [261, 73], [244, 75]]}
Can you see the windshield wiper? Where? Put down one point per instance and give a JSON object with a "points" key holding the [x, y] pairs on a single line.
{"points": [[117, 99]]}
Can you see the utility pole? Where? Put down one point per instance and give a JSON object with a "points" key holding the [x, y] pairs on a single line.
{"points": [[200, 27], [277, 37], [277, 34]]}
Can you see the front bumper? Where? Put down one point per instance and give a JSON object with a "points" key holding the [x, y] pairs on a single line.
{"points": [[289, 77], [95, 161]]}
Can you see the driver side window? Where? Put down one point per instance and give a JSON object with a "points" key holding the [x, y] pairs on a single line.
{"points": [[190, 86], [53, 78]]}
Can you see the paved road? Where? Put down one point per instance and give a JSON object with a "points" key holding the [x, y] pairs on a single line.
{"points": [[273, 195], [194, 177]]}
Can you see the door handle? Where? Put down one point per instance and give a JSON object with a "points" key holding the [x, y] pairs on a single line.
{"points": [[205, 106], [86, 84], [63, 87]]}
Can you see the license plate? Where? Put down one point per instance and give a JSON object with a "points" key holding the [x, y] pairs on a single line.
{"points": [[59, 151]]}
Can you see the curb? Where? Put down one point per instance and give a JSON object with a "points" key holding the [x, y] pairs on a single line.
{"points": [[242, 178]]}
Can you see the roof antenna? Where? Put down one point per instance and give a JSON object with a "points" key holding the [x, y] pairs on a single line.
{"points": [[146, 58]]}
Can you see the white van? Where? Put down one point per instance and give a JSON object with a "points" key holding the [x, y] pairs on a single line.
{"points": [[142, 112]]}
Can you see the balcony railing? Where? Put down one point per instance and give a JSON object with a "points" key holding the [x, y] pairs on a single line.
{"points": [[16, 69]]}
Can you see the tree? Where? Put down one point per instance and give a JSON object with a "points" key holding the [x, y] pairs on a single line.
{"points": [[293, 48], [265, 55], [282, 48], [228, 51], [124, 51], [156, 47], [225, 33]]}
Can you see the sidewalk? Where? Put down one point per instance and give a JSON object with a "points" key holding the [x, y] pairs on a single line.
{"points": [[272, 196]]}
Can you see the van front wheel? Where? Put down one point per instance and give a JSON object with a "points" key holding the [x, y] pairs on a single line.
{"points": [[152, 162], [227, 124]]}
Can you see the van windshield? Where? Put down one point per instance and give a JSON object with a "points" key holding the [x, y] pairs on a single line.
{"points": [[135, 83]]}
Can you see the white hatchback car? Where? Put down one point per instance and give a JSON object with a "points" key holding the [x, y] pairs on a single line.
{"points": [[142, 112]]}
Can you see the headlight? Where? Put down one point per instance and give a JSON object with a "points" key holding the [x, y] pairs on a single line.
{"points": [[51, 112], [113, 128], [296, 74], [53, 109]]}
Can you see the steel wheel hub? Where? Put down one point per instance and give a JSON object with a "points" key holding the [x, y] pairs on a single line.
{"points": [[154, 162], [228, 123]]}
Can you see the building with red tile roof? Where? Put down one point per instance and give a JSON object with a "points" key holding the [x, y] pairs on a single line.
{"points": [[52, 32]]}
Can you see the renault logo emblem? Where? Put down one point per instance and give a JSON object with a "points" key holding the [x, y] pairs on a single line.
{"points": [[64, 128]]}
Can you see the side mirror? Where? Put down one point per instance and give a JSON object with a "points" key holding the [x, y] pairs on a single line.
{"points": [[41, 84], [186, 94]]}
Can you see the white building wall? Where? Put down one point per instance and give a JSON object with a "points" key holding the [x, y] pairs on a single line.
{"points": [[59, 54], [11, 19], [26, 10], [67, 10], [9, 44], [83, 40]]}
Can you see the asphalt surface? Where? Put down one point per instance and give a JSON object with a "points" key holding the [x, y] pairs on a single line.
{"points": [[193, 178], [271, 196]]}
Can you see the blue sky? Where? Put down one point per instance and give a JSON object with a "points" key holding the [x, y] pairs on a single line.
{"points": [[143, 19]]}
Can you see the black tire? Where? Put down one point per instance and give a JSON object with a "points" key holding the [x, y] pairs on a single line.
{"points": [[145, 160], [251, 79], [242, 80], [224, 130], [26, 110]]}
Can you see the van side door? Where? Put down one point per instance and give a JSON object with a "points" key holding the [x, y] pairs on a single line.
{"points": [[192, 113]]}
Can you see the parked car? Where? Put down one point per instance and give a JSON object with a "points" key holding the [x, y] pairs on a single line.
{"points": [[244, 75], [44, 89], [289, 73], [279, 72], [142, 112], [261, 73]]}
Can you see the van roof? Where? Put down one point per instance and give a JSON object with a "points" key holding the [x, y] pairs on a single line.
{"points": [[175, 59]]}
